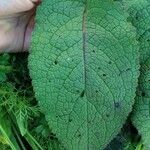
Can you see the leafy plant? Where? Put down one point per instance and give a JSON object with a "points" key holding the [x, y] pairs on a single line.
{"points": [[84, 70], [20, 117], [90, 67]]}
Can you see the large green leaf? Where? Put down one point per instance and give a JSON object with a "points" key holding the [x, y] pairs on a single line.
{"points": [[84, 69], [141, 115], [140, 14]]}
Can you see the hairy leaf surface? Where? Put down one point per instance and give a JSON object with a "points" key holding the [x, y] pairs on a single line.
{"points": [[141, 115], [84, 69], [140, 13]]}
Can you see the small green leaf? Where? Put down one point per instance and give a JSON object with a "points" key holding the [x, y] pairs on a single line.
{"points": [[21, 117], [6, 131]]}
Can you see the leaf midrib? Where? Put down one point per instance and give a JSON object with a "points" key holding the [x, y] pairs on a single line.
{"points": [[84, 32]]}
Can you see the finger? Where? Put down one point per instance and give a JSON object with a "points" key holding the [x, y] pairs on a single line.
{"points": [[13, 33], [16, 30], [9, 7], [35, 1], [28, 32]]}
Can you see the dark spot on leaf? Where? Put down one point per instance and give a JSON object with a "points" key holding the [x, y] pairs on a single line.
{"points": [[143, 94], [148, 40], [124, 71], [93, 51], [109, 62], [51, 137], [99, 68], [117, 104], [104, 75], [89, 122], [77, 91], [107, 115], [55, 62], [136, 17], [129, 19], [128, 69], [82, 93], [70, 120], [79, 135], [56, 116], [96, 91]]}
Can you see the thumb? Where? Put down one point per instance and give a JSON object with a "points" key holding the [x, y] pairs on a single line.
{"points": [[16, 24], [9, 7]]}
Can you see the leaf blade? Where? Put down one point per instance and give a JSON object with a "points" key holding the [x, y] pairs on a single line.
{"points": [[78, 67], [140, 15]]}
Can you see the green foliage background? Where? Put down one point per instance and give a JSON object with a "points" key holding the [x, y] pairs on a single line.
{"points": [[22, 125]]}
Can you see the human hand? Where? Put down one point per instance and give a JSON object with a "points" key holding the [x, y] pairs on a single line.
{"points": [[16, 24]]}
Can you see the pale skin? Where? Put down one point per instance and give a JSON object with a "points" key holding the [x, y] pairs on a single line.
{"points": [[16, 24]]}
